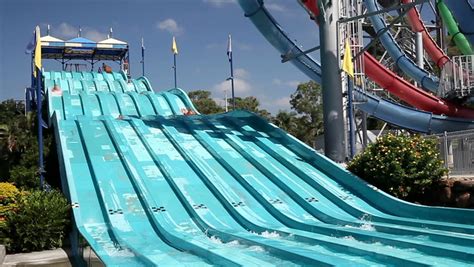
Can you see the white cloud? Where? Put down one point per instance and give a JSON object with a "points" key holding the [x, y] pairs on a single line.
{"points": [[94, 35], [293, 83], [241, 84], [219, 3], [170, 25], [236, 45], [283, 102], [241, 73], [68, 31], [272, 104], [241, 87], [275, 7]]}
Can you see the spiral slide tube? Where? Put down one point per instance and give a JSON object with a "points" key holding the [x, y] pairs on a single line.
{"points": [[388, 111], [417, 25], [463, 11], [459, 38], [404, 90], [403, 62]]}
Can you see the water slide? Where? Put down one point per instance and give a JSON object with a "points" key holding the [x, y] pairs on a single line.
{"points": [[380, 108], [149, 186], [431, 47], [421, 76], [458, 37], [404, 90], [463, 11]]}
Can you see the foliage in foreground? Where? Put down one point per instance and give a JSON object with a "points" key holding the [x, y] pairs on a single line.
{"points": [[38, 222], [19, 145], [404, 166]]}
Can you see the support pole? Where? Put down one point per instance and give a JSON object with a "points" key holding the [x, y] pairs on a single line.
{"points": [[40, 128], [364, 130], [334, 132], [350, 115], [232, 84], [174, 67], [419, 49]]}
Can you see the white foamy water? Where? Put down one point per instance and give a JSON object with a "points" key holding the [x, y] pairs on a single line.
{"points": [[216, 240], [256, 248], [272, 235], [367, 225]]}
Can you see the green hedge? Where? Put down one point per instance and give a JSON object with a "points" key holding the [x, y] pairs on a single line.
{"points": [[38, 222], [404, 166]]}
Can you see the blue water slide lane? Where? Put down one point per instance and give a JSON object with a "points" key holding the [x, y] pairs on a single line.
{"points": [[385, 110], [163, 209], [90, 218], [239, 196], [121, 202], [358, 187], [255, 180], [198, 189], [332, 199], [290, 219], [463, 11]]}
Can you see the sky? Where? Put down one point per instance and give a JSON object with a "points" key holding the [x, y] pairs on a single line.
{"points": [[201, 28]]}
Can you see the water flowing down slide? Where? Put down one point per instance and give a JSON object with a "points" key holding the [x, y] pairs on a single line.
{"points": [[463, 11], [458, 37], [431, 47]]}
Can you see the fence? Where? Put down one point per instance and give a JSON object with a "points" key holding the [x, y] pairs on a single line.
{"points": [[457, 151]]}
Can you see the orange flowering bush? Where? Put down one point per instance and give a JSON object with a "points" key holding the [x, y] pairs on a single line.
{"points": [[404, 166]]}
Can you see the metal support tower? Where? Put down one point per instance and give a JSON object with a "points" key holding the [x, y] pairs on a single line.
{"points": [[334, 137], [351, 30]]}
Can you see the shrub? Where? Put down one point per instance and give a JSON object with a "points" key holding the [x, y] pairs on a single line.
{"points": [[8, 193], [39, 222], [8, 196], [404, 166]]}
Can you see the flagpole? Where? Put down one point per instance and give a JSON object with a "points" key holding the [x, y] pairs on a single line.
{"points": [[232, 82], [174, 67], [174, 49], [143, 57], [226, 105], [229, 55], [348, 68]]}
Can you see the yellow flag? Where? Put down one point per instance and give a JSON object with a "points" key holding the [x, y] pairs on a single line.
{"points": [[347, 65], [37, 49], [174, 47]]}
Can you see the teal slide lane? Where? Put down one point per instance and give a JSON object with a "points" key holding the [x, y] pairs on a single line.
{"points": [[375, 197], [149, 186], [281, 201], [215, 167]]}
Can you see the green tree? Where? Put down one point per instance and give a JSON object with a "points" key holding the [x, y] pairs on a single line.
{"points": [[19, 145], [251, 104], [307, 102], [288, 121], [204, 103]]}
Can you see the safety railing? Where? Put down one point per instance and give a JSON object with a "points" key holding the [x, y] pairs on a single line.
{"points": [[457, 78], [457, 151]]}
